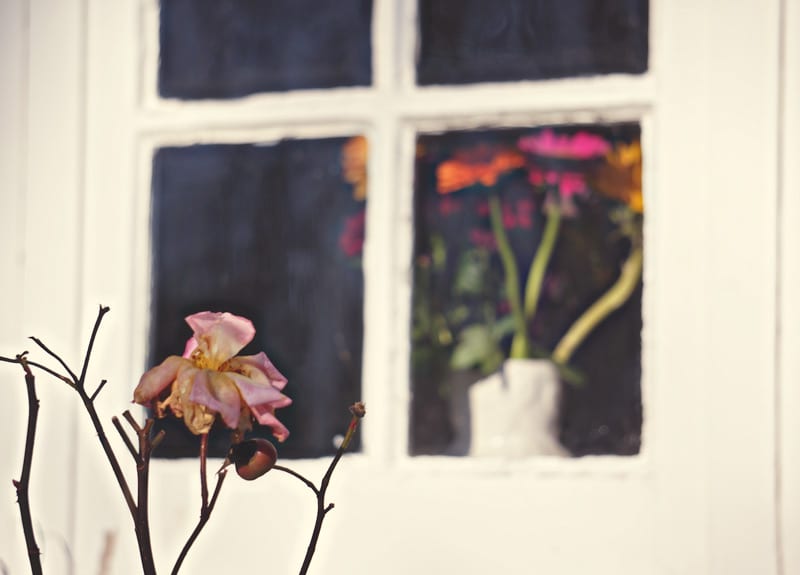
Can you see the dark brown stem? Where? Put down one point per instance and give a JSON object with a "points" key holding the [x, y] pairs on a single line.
{"points": [[98, 390], [55, 356], [103, 310], [294, 473], [206, 506], [322, 509], [24, 480], [142, 518], [138, 513], [125, 439], [44, 368], [203, 477], [109, 452]]}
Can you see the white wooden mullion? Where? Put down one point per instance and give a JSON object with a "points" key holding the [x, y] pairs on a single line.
{"points": [[741, 162], [383, 171], [596, 95], [788, 424], [677, 204]]}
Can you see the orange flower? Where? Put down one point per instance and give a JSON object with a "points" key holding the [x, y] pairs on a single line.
{"points": [[454, 175], [354, 165], [620, 177]]}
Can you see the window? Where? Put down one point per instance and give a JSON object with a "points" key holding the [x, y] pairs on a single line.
{"points": [[241, 227], [220, 50]]}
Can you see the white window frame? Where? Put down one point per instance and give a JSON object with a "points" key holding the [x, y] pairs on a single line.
{"points": [[713, 368]]}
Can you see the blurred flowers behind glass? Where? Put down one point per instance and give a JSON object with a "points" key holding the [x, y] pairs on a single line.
{"points": [[519, 234]]}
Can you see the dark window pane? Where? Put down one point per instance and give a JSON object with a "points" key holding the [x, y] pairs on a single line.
{"points": [[232, 48], [528, 244], [273, 233], [465, 41]]}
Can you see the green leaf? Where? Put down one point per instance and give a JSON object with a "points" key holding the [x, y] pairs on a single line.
{"points": [[571, 375], [438, 252], [502, 327], [472, 272], [476, 347], [458, 315]]}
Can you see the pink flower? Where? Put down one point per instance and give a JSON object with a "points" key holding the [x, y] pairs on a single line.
{"points": [[211, 379], [525, 213], [448, 205], [571, 184], [580, 146], [483, 239], [509, 218], [351, 241], [568, 184]]}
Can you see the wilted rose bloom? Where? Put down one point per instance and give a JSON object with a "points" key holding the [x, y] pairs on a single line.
{"points": [[211, 379]]}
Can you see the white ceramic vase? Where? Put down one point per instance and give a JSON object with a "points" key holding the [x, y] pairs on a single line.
{"points": [[514, 412]]}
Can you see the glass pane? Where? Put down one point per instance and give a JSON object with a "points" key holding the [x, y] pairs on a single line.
{"points": [[526, 312], [465, 41], [232, 48], [273, 233]]}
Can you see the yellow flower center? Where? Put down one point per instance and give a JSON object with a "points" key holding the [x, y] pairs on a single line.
{"points": [[202, 361]]}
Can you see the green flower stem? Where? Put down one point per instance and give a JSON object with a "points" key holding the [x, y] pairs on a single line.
{"points": [[544, 252], [520, 346], [616, 295]]}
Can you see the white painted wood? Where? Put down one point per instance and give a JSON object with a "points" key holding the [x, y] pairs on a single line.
{"points": [[13, 78], [677, 202], [742, 273], [719, 154], [699, 499], [788, 424], [42, 171]]}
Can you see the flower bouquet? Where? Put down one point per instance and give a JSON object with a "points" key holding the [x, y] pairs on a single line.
{"points": [[510, 202]]}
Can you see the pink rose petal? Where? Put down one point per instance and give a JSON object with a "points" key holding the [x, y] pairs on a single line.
{"points": [[155, 380], [255, 393], [217, 392], [221, 335], [260, 362], [266, 416], [191, 345]]}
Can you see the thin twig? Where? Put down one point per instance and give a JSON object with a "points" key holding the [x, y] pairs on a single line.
{"points": [[142, 518], [206, 506], [358, 412], [24, 480], [55, 356], [103, 310], [203, 477], [99, 388], [109, 452], [44, 368], [156, 441], [138, 511], [132, 421], [294, 473], [128, 443]]}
